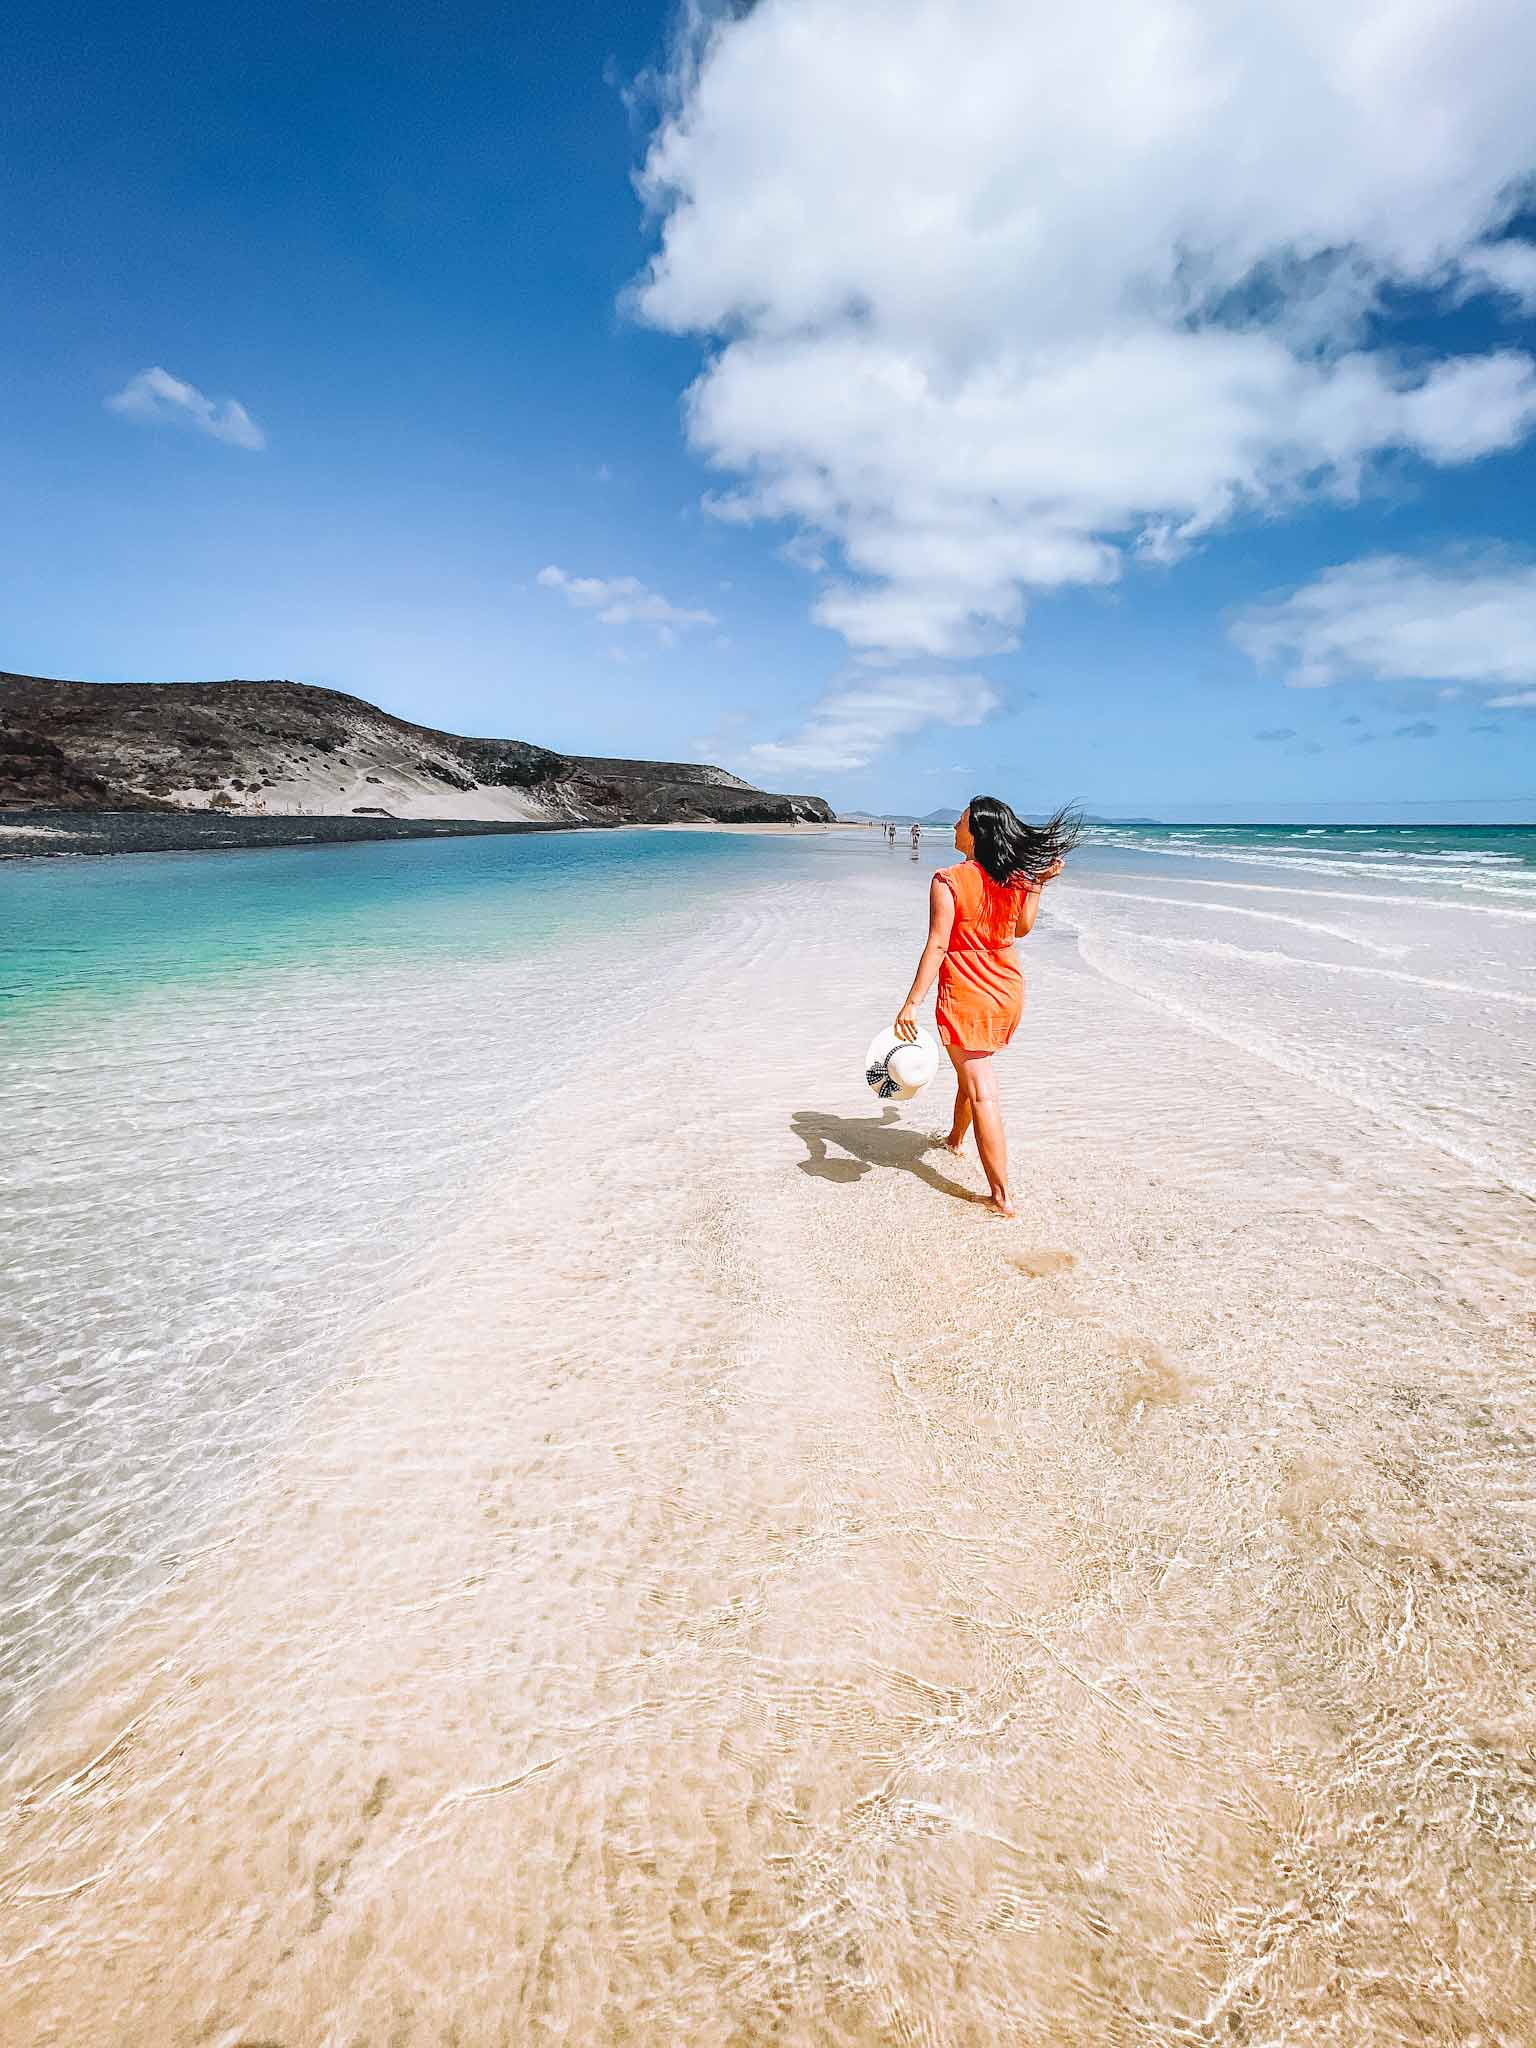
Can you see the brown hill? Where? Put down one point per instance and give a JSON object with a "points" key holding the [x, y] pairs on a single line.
{"points": [[283, 748]]}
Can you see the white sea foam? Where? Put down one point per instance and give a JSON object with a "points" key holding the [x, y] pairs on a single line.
{"points": [[1385, 864], [1250, 1034], [1301, 924], [1391, 900], [1261, 958], [1450, 1067]]}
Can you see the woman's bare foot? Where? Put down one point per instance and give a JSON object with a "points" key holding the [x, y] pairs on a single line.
{"points": [[955, 1142], [999, 1203]]}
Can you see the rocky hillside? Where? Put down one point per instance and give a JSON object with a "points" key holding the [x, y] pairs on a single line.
{"points": [[281, 749]]}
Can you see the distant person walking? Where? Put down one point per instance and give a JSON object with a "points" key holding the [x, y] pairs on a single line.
{"points": [[976, 910], [917, 834]]}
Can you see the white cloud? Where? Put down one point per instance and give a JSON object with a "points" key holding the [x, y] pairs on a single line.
{"points": [[158, 398], [859, 717], [805, 551], [625, 601], [997, 293], [1453, 619], [1508, 267]]}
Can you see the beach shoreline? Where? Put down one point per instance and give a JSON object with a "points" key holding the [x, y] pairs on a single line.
{"points": [[805, 828], [37, 835]]}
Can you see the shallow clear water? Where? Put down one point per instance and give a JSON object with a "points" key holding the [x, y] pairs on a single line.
{"points": [[1393, 966], [239, 1094], [649, 1561]]}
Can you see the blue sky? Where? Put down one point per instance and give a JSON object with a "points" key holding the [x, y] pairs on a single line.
{"points": [[985, 483]]}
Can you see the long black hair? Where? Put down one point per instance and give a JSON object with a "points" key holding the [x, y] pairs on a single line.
{"points": [[1008, 850]]}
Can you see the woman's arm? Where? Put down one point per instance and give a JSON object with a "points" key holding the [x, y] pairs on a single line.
{"points": [[1031, 904], [941, 922]]}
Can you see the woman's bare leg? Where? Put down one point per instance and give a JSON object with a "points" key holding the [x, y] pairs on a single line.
{"points": [[980, 1084], [959, 1129]]}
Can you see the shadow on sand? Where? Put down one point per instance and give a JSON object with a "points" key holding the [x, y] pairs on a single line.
{"points": [[868, 1141]]}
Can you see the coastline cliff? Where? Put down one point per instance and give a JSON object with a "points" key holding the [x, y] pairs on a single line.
{"points": [[283, 749]]}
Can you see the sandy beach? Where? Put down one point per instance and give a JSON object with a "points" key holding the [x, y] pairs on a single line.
{"points": [[735, 1590]]}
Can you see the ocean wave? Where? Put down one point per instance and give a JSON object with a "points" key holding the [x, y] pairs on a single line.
{"points": [[1291, 1057], [1339, 865], [1392, 902], [1262, 957], [1303, 924]]}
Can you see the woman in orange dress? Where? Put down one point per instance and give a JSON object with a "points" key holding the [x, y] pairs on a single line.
{"points": [[976, 910]]}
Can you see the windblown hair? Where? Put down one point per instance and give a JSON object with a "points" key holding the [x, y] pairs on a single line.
{"points": [[1008, 850]]}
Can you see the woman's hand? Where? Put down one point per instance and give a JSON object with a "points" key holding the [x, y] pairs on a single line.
{"points": [[1049, 874], [906, 1023]]}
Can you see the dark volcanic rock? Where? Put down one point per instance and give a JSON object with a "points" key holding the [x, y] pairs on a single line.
{"points": [[42, 769], [283, 747], [34, 834]]}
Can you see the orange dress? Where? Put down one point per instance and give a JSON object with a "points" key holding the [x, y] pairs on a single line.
{"points": [[981, 991]]}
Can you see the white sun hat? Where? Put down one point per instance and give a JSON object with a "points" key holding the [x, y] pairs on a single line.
{"points": [[897, 1067]]}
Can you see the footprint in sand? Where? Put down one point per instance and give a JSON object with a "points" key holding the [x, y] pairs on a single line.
{"points": [[1148, 1378], [1041, 1264]]}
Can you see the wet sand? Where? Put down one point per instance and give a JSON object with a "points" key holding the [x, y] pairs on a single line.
{"points": [[741, 1592]]}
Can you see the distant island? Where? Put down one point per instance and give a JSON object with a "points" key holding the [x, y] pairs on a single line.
{"points": [[279, 750], [946, 820]]}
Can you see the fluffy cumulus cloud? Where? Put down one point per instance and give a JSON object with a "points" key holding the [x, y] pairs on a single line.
{"points": [[157, 398], [1507, 266], [625, 601], [1000, 297], [865, 712], [1461, 619]]}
